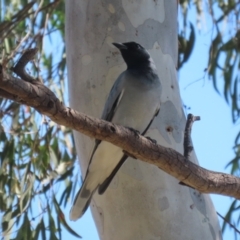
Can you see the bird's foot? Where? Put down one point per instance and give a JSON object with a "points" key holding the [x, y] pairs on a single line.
{"points": [[136, 132], [152, 140], [186, 185]]}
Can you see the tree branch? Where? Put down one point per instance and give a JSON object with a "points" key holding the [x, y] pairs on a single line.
{"points": [[36, 95]]}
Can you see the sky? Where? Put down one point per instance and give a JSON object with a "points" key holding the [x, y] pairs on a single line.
{"points": [[213, 136]]}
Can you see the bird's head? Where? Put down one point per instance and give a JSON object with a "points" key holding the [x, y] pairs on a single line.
{"points": [[135, 55]]}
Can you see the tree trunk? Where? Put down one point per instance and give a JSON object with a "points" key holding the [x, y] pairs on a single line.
{"points": [[142, 202]]}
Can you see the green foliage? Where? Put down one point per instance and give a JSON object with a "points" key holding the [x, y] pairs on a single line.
{"points": [[36, 155], [185, 46], [224, 59]]}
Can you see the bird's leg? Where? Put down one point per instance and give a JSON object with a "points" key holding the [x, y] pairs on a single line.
{"points": [[187, 143], [129, 154]]}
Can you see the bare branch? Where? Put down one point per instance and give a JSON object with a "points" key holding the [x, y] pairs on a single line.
{"points": [[44, 100], [187, 144], [19, 68]]}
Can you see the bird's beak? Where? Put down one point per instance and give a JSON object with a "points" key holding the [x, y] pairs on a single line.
{"points": [[120, 46]]}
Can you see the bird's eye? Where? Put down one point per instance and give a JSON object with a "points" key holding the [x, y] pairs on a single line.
{"points": [[138, 46]]}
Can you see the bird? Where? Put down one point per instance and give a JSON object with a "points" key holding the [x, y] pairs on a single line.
{"points": [[133, 102]]}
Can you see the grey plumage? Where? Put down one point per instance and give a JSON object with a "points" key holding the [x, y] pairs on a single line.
{"points": [[134, 101]]}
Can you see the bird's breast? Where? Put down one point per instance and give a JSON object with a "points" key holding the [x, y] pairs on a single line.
{"points": [[138, 104]]}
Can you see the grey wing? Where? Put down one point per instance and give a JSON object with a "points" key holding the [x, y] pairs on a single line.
{"points": [[102, 188], [110, 107], [113, 100]]}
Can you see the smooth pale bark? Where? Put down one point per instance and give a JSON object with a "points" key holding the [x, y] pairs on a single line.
{"points": [[142, 202]]}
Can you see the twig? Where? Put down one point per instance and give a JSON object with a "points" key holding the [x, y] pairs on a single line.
{"points": [[199, 79], [225, 220], [19, 68], [7, 26], [187, 144], [38, 9], [13, 52]]}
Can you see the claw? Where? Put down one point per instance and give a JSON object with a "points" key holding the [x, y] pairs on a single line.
{"points": [[152, 140], [136, 132]]}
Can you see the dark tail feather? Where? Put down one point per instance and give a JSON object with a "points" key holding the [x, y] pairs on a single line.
{"points": [[81, 202], [103, 187]]}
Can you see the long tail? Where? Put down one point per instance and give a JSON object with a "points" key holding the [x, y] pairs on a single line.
{"points": [[82, 200]]}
